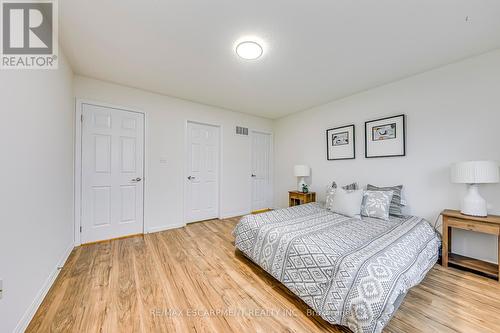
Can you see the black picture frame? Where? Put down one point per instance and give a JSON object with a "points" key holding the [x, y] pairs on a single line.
{"points": [[398, 132], [351, 143]]}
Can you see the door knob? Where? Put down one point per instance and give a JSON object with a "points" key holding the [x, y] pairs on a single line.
{"points": [[136, 180], [191, 177], [253, 176]]}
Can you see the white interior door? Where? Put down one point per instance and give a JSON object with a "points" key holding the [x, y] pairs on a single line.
{"points": [[112, 173], [202, 180], [261, 171]]}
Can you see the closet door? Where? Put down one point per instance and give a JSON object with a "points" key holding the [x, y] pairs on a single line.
{"points": [[261, 170], [202, 181], [112, 173]]}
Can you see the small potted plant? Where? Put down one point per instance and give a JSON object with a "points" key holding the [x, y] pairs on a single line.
{"points": [[305, 188]]}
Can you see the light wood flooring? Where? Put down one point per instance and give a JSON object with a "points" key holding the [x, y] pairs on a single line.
{"points": [[192, 280]]}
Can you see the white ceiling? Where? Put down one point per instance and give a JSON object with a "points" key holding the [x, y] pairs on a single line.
{"points": [[314, 51]]}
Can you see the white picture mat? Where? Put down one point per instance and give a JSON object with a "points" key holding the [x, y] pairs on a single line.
{"points": [[391, 147], [343, 151]]}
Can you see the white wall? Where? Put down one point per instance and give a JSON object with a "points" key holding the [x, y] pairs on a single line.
{"points": [[36, 192], [453, 114], [165, 140]]}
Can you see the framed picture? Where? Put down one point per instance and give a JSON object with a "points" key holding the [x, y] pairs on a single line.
{"points": [[340, 143], [385, 137]]}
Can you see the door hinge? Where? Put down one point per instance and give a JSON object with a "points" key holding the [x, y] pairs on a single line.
{"points": [[81, 118], [80, 229]]}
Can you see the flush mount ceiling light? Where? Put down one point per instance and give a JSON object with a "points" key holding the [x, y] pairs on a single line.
{"points": [[249, 50]]}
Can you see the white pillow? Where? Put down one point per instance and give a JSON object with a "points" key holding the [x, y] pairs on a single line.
{"points": [[330, 193], [348, 203]]}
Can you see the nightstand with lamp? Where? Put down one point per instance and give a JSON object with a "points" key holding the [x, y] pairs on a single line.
{"points": [[473, 215]]}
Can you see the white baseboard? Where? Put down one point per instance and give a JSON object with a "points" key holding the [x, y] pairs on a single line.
{"points": [[234, 214], [164, 227], [30, 312]]}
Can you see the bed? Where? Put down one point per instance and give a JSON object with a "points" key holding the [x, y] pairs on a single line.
{"points": [[352, 272]]}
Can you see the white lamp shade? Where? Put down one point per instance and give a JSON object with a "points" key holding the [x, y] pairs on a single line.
{"points": [[301, 171], [475, 172]]}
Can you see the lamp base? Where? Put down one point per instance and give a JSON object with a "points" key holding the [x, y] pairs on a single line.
{"points": [[473, 204], [300, 183]]}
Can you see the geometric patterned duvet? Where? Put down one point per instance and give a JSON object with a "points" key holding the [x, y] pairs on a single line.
{"points": [[351, 272]]}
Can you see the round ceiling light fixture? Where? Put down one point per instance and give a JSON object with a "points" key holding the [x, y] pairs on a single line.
{"points": [[249, 50]]}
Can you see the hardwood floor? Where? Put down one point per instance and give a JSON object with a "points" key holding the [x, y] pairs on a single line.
{"points": [[191, 280]]}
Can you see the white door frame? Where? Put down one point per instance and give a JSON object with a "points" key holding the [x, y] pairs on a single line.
{"points": [[78, 162], [271, 165], [186, 151]]}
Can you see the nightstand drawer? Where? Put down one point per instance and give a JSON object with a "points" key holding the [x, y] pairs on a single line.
{"points": [[474, 226]]}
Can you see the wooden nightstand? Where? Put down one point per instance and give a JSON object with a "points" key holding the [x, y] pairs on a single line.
{"points": [[488, 225], [296, 198]]}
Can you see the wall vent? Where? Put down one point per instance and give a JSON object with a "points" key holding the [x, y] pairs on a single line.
{"points": [[241, 130]]}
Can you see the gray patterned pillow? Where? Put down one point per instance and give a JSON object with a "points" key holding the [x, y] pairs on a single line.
{"points": [[330, 192], [350, 187], [396, 204], [376, 204]]}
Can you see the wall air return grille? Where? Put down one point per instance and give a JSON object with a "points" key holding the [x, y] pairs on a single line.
{"points": [[241, 130]]}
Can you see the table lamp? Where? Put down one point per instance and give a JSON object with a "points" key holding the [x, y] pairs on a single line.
{"points": [[301, 171], [474, 173]]}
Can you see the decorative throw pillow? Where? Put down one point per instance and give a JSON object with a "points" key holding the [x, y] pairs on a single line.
{"points": [[377, 204], [348, 203], [396, 202], [330, 192], [351, 187]]}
